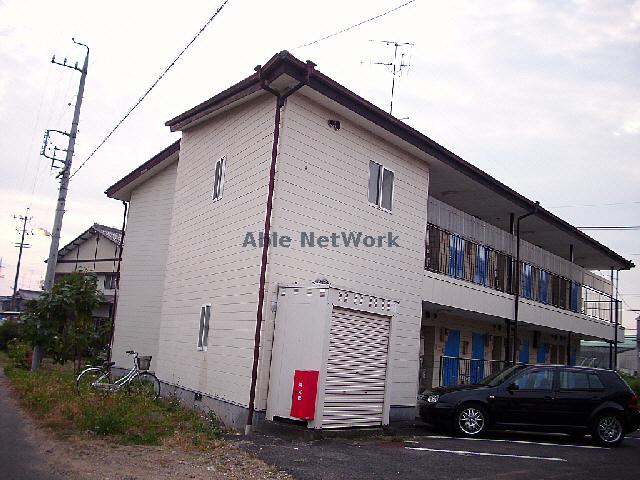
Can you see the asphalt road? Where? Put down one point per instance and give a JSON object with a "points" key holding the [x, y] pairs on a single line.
{"points": [[428, 455], [20, 458]]}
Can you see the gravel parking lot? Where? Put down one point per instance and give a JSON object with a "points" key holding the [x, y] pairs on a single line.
{"points": [[419, 453]]}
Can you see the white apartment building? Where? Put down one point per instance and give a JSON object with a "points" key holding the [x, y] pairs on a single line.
{"points": [[426, 298]]}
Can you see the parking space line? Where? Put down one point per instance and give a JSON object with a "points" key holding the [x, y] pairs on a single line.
{"points": [[526, 442], [484, 454]]}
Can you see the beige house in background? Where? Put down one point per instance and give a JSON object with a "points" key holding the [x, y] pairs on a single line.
{"points": [[432, 277], [97, 249]]}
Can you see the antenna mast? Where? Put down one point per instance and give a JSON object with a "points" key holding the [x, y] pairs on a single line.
{"points": [[397, 65]]}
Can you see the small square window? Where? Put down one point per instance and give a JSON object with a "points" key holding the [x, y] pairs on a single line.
{"points": [[380, 186], [218, 179]]}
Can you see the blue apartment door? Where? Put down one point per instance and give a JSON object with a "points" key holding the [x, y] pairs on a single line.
{"points": [[542, 352], [450, 361], [477, 357], [524, 352]]}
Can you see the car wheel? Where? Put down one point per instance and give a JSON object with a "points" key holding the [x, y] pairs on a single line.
{"points": [[608, 430], [470, 421]]}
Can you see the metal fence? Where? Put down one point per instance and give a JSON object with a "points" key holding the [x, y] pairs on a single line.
{"points": [[450, 254], [464, 371]]}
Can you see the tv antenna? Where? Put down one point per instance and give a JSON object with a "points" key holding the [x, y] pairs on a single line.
{"points": [[397, 65]]}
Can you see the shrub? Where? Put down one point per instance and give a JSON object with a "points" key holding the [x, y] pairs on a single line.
{"points": [[19, 353], [62, 320], [9, 330], [634, 382]]}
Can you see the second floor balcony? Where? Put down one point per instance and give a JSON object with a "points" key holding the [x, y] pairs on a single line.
{"points": [[482, 278]]}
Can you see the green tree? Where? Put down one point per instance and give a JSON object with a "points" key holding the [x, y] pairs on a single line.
{"points": [[62, 322]]}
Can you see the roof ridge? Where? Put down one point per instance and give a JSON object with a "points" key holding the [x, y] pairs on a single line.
{"points": [[99, 225]]}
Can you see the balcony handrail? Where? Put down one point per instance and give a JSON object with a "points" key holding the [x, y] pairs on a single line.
{"points": [[495, 269], [463, 371]]}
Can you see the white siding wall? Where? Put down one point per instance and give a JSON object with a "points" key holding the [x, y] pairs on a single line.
{"points": [[322, 185], [206, 261], [137, 322]]}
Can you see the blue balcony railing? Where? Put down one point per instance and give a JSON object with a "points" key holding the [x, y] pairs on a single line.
{"points": [[464, 371], [453, 255]]}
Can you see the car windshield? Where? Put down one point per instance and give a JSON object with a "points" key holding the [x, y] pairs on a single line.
{"points": [[499, 377]]}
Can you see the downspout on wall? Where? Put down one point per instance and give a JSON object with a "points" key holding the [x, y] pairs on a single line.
{"points": [[112, 318], [280, 101], [516, 293]]}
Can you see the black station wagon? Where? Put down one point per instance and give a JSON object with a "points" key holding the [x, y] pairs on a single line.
{"points": [[548, 398]]}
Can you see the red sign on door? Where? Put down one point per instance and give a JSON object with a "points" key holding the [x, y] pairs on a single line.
{"points": [[305, 390]]}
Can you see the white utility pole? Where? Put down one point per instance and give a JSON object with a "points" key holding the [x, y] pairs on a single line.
{"points": [[64, 187]]}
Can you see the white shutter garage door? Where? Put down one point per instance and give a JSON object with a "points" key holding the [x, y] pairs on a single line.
{"points": [[356, 369]]}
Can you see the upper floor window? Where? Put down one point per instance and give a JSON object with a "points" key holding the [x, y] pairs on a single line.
{"points": [[218, 179], [110, 281], [380, 186]]}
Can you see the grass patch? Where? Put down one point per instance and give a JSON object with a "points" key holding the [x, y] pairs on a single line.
{"points": [[50, 395]]}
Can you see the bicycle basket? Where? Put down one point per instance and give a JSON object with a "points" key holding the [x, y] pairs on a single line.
{"points": [[144, 362]]}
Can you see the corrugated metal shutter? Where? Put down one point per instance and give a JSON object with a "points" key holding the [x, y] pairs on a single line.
{"points": [[356, 369]]}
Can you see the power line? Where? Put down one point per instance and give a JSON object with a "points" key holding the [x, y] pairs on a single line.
{"points": [[354, 26], [596, 205], [215, 14], [630, 227]]}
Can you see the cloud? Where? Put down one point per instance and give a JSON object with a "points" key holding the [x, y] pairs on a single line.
{"points": [[533, 92], [632, 127]]}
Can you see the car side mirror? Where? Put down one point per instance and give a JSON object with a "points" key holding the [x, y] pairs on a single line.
{"points": [[513, 387]]}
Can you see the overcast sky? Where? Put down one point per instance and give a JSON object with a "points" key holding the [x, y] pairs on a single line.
{"points": [[544, 96]]}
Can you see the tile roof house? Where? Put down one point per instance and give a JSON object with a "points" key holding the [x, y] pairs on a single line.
{"points": [[97, 249]]}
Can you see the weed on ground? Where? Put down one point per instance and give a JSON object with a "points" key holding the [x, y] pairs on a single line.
{"points": [[50, 395]]}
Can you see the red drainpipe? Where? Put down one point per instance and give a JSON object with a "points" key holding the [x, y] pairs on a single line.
{"points": [[280, 100], [115, 293]]}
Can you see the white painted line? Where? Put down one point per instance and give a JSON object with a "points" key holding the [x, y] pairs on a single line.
{"points": [[526, 442], [484, 454]]}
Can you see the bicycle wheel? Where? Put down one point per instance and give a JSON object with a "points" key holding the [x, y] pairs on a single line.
{"points": [[145, 384], [87, 380]]}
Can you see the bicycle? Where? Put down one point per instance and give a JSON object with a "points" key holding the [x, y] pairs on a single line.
{"points": [[137, 380]]}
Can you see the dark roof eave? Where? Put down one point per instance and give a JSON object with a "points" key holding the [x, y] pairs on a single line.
{"points": [[270, 70], [285, 63], [142, 169]]}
